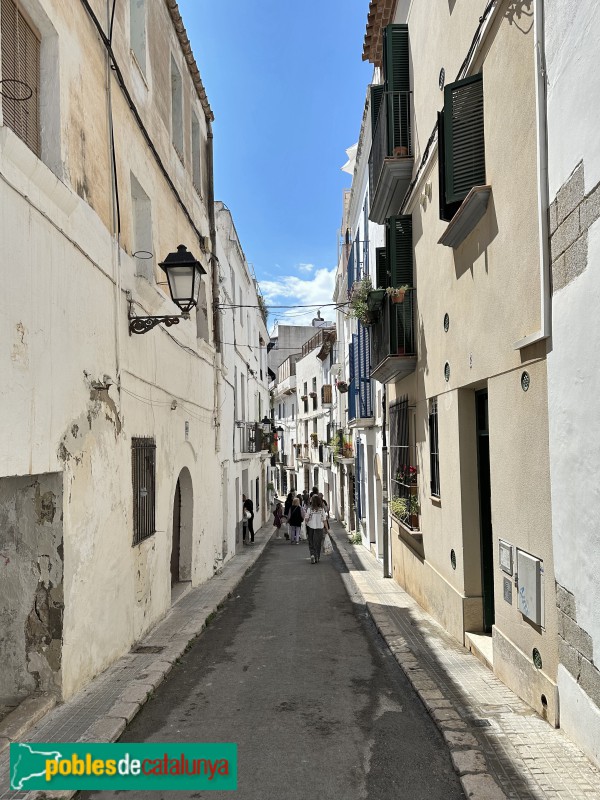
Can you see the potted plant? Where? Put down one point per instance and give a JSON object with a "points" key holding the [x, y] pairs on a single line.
{"points": [[314, 439], [396, 293], [270, 486], [341, 386], [312, 394], [359, 302], [304, 397]]}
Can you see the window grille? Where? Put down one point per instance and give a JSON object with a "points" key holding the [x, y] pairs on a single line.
{"points": [[143, 460], [434, 456], [20, 76]]}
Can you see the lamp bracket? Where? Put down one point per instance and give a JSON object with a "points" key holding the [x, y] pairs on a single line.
{"points": [[145, 324]]}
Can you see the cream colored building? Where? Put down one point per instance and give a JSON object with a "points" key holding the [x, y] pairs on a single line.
{"points": [[455, 180], [110, 487]]}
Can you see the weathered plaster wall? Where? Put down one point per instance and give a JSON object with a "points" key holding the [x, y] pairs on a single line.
{"points": [[31, 584]]}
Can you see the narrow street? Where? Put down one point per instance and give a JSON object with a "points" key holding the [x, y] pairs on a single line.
{"points": [[295, 673]]}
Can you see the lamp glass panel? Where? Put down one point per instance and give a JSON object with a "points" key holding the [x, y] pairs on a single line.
{"points": [[181, 283]]}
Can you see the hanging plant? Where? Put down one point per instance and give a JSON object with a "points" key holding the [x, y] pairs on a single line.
{"points": [[359, 302]]}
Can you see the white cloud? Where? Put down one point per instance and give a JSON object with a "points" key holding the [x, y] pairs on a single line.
{"points": [[314, 291], [306, 267]]}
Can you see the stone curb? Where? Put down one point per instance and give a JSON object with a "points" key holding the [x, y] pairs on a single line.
{"points": [[466, 755], [16, 724]]}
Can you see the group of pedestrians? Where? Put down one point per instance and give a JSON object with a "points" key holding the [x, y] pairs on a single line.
{"points": [[308, 508]]}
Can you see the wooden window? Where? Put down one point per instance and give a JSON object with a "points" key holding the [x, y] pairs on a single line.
{"points": [[461, 143], [434, 455], [143, 460], [20, 76]]}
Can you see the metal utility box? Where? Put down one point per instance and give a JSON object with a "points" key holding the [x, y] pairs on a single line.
{"points": [[530, 587]]}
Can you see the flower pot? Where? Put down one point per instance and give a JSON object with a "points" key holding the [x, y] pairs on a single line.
{"points": [[398, 297], [400, 152]]}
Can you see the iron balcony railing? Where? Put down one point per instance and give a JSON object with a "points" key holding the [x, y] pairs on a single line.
{"points": [[392, 137], [404, 480], [251, 437], [394, 334]]}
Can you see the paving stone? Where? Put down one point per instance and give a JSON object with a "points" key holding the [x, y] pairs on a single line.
{"points": [[136, 693], [126, 711], [481, 787], [153, 679], [460, 739], [445, 715], [468, 761], [106, 729]]}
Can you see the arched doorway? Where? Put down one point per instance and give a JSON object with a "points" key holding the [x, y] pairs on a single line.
{"points": [[181, 540]]}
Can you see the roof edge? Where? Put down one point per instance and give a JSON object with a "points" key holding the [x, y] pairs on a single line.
{"points": [[189, 57]]}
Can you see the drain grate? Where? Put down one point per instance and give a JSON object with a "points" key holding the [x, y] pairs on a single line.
{"points": [[148, 648]]}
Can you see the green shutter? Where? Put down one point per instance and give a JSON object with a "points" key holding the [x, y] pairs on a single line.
{"points": [[397, 86], [395, 58], [376, 98], [464, 143], [399, 237], [447, 210], [381, 268]]}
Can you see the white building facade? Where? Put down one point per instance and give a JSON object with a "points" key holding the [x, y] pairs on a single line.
{"points": [[573, 378]]}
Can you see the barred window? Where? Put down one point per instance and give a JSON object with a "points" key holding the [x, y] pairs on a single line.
{"points": [[20, 76], [434, 455], [143, 461]]}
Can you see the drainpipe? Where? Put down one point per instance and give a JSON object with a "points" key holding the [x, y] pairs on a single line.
{"points": [[541, 127], [384, 491], [217, 376]]}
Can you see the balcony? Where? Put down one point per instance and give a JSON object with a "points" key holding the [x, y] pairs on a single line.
{"points": [[393, 345], [286, 375], [326, 394], [250, 437], [324, 340], [392, 158]]}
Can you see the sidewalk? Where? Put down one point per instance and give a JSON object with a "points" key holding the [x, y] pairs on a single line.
{"points": [[101, 711], [499, 746]]}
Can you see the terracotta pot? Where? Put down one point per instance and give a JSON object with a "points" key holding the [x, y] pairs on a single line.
{"points": [[400, 152], [398, 297]]}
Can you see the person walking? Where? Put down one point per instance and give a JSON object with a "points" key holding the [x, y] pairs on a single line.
{"points": [[278, 518], [316, 524], [248, 507], [295, 521], [286, 511]]}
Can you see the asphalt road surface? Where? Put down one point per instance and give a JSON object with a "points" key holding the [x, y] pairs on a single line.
{"points": [[293, 671]]}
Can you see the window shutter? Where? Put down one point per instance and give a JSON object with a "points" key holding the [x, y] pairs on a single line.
{"points": [[352, 384], [364, 371], [399, 251], [395, 58], [447, 210], [397, 85], [20, 63], [382, 276], [464, 141], [357, 497], [351, 269], [376, 98]]}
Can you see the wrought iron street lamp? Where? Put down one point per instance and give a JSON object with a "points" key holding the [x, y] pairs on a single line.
{"points": [[184, 274], [265, 424]]}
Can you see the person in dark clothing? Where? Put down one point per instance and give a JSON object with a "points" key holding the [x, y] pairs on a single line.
{"points": [[295, 521], [288, 504], [249, 507]]}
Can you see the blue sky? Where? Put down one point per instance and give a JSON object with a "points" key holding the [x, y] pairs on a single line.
{"points": [[287, 86]]}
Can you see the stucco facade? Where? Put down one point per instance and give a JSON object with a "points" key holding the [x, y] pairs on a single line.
{"points": [[475, 376], [79, 390]]}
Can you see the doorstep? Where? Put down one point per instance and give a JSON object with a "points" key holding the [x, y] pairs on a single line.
{"points": [[480, 644]]}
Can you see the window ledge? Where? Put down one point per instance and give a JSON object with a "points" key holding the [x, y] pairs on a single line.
{"points": [[471, 211], [134, 58]]}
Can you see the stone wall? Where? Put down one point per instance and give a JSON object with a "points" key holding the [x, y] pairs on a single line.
{"points": [[575, 646], [31, 585], [571, 214]]}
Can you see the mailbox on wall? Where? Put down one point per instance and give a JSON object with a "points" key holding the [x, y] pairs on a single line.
{"points": [[530, 587]]}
